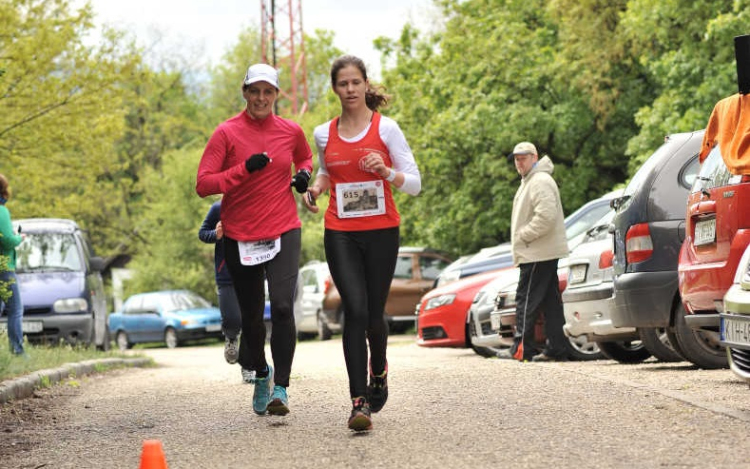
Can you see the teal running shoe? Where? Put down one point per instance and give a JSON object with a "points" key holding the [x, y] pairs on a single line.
{"points": [[261, 394], [279, 404]]}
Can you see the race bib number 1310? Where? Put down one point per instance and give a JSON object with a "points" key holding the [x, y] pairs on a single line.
{"points": [[257, 252]]}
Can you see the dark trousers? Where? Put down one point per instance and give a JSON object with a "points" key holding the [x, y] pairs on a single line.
{"points": [[231, 320], [281, 273], [362, 265], [539, 291]]}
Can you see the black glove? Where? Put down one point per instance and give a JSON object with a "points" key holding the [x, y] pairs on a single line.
{"points": [[256, 162], [300, 181]]}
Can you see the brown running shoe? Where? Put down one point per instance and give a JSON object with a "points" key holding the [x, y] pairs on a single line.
{"points": [[360, 420]]}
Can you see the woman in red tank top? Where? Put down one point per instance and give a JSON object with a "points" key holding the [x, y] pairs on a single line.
{"points": [[362, 156]]}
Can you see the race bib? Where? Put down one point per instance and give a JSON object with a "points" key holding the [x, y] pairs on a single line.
{"points": [[257, 252], [360, 199]]}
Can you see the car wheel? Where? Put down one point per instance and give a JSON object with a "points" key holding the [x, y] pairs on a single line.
{"points": [[582, 349], [324, 333], [170, 338], [123, 343], [700, 347], [624, 351], [656, 340], [486, 352]]}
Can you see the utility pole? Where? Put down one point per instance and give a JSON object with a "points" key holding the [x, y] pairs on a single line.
{"points": [[283, 46]]}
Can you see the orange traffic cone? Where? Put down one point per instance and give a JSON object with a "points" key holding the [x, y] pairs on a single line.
{"points": [[153, 455]]}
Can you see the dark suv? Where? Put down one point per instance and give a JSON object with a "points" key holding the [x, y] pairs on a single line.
{"points": [[648, 229], [718, 230], [60, 284]]}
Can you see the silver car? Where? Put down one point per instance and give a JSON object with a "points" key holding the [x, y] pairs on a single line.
{"points": [[735, 320], [314, 278], [484, 340], [588, 298]]}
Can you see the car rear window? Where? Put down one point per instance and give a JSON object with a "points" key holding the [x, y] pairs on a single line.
{"points": [[714, 173]]}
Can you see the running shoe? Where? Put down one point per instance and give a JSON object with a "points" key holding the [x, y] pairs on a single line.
{"points": [[261, 394], [231, 350], [248, 376], [360, 419], [279, 404], [377, 390]]}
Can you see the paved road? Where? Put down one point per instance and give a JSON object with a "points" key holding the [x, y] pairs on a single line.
{"points": [[448, 408]]}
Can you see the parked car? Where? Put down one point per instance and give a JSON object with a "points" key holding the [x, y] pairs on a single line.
{"points": [[717, 232], [60, 284], [415, 273], [483, 339], [169, 316], [648, 229], [315, 279], [442, 312], [588, 298], [735, 320], [503, 322], [499, 257]]}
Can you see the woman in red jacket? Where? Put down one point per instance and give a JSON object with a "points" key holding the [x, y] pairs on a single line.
{"points": [[362, 155], [249, 159]]}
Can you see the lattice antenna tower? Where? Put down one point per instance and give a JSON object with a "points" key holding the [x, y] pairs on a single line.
{"points": [[283, 46]]}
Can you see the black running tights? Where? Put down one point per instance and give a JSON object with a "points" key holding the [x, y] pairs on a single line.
{"points": [[362, 265]]}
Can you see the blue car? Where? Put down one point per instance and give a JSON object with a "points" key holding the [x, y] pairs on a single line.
{"points": [[172, 316]]}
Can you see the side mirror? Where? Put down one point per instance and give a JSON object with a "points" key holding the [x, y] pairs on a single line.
{"points": [[97, 264]]}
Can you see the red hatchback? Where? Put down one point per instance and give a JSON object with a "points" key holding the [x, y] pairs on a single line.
{"points": [[442, 312], [717, 232]]}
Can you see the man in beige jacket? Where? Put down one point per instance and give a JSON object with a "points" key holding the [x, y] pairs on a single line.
{"points": [[538, 241]]}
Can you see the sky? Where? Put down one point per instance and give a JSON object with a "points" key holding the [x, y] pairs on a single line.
{"points": [[213, 26]]}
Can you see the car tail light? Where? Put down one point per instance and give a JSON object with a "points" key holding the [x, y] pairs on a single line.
{"points": [[327, 284], [605, 259], [638, 244], [745, 178]]}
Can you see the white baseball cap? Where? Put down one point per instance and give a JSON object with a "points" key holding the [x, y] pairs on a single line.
{"points": [[525, 148], [262, 72]]}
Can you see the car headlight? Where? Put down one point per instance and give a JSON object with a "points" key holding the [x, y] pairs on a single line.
{"points": [[71, 305], [505, 299], [479, 297], [439, 301], [187, 322], [484, 299]]}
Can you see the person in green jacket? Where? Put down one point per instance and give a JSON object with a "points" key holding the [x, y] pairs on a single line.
{"points": [[8, 242]]}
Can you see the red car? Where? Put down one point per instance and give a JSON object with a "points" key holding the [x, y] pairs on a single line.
{"points": [[717, 231], [442, 312]]}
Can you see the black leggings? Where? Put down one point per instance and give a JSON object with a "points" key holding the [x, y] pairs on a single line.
{"points": [[281, 272], [362, 265]]}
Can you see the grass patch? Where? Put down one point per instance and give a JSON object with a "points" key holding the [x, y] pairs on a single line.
{"points": [[41, 357]]}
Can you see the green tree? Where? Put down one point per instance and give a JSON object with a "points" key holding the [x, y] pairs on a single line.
{"points": [[687, 51], [171, 256]]}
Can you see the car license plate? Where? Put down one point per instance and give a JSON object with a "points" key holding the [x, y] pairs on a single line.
{"points": [[213, 327], [735, 330], [32, 327], [495, 320], [577, 273], [705, 232]]}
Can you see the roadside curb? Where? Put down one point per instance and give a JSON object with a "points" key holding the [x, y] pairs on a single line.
{"points": [[23, 387]]}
